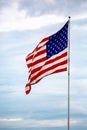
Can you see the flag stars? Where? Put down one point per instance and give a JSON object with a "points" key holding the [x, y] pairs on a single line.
{"points": [[57, 42], [55, 39]]}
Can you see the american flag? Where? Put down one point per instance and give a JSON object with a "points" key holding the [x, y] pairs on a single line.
{"points": [[49, 57]]}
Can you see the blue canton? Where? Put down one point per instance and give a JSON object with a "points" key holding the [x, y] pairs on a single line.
{"points": [[57, 42]]}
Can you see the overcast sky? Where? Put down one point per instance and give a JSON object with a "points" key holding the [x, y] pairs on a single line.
{"points": [[23, 23]]}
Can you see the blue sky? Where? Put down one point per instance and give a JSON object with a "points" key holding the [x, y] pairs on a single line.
{"points": [[23, 23]]}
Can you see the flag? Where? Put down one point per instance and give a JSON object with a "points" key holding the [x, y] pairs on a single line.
{"points": [[49, 57]]}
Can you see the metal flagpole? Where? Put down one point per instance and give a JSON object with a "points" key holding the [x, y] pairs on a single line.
{"points": [[69, 75]]}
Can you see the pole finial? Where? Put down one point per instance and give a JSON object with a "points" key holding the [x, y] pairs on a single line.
{"points": [[69, 17]]}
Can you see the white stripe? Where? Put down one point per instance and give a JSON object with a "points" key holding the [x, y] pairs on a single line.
{"points": [[49, 72], [38, 65], [29, 61], [35, 52], [48, 65], [27, 88], [44, 55], [29, 55], [59, 54], [42, 48], [37, 57], [54, 63], [43, 63], [42, 43]]}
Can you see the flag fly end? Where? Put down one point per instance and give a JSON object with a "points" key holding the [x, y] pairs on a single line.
{"points": [[27, 88]]}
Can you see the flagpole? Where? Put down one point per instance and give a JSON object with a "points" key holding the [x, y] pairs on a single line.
{"points": [[69, 75]]}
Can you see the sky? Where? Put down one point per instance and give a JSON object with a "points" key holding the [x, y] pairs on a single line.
{"points": [[23, 24]]}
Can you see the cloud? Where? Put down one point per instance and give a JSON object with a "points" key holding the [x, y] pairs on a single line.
{"points": [[38, 8], [80, 27], [4, 3], [22, 123], [63, 7], [19, 21], [12, 18], [16, 16], [10, 119], [20, 15]]}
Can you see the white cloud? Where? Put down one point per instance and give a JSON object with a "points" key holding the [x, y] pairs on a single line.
{"points": [[10, 119], [80, 16], [30, 22], [80, 27], [14, 19], [49, 123], [22, 123]]}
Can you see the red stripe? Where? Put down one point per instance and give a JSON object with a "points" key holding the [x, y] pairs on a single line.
{"points": [[57, 71], [48, 69], [29, 57], [60, 70], [28, 85], [45, 39], [40, 53], [29, 65], [36, 62], [34, 70], [39, 61], [40, 46], [49, 61]]}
